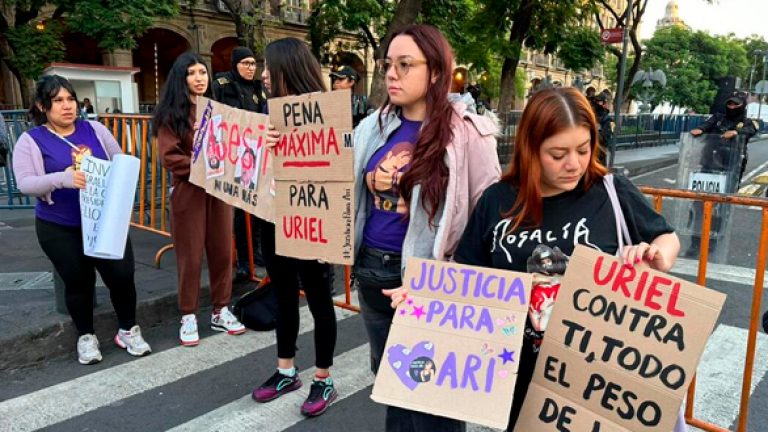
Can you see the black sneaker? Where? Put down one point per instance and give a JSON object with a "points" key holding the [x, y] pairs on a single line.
{"points": [[321, 394], [276, 386]]}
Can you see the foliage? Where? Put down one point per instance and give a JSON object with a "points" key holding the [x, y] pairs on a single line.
{"points": [[751, 44], [693, 63], [35, 49], [581, 48], [330, 18], [116, 23]]}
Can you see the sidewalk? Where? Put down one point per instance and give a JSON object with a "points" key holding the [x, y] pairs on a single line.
{"points": [[31, 330]]}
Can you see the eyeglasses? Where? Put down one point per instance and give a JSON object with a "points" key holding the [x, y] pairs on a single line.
{"points": [[402, 65], [249, 65]]}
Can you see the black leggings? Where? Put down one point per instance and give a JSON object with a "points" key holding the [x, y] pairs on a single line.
{"points": [[64, 247], [285, 273]]}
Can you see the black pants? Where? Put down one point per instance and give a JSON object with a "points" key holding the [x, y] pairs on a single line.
{"points": [[285, 273], [376, 270], [241, 238], [64, 247]]}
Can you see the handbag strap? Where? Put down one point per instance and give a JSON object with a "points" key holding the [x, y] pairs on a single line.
{"points": [[621, 224]]}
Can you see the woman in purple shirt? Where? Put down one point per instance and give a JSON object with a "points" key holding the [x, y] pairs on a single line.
{"points": [[46, 163]]}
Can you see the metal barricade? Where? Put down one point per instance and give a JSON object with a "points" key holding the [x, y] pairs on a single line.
{"points": [[709, 200]]}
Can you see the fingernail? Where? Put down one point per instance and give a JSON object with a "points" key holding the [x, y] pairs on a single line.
{"points": [[637, 260], [405, 295]]}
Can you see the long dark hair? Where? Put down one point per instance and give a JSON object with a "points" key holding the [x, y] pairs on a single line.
{"points": [[173, 108], [548, 113], [293, 70], [428, 167], [46, 89]]}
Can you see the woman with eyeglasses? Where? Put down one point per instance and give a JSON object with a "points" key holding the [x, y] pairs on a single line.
{"points": [[421, 164]]}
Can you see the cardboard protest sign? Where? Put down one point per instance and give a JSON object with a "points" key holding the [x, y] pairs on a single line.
{"points": [[314, 207], [230, 159], [315, 220], [454, 346], [106, 204], [621, 349], [316, 141]]}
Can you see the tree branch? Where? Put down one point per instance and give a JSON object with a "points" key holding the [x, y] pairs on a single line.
{"points": [[609, 8], [371, 38]]}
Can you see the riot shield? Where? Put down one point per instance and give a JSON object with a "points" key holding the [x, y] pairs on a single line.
{"points": [[707, 163]]}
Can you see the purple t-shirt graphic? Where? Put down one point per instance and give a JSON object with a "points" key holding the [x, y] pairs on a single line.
{"points": [[387, 225], [59, 156]]}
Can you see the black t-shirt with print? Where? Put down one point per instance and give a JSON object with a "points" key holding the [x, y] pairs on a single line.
{"points": [[571, 218]]}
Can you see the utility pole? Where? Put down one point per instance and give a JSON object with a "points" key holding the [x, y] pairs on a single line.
{"points": [[620, 92]]}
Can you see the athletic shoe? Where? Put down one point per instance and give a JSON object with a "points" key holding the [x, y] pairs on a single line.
{"points": [[88, 349], [188, 332], [321, 394], [133, 342], [276, 386], [225, 321]]}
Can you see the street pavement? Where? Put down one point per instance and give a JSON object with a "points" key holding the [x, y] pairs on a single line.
{"points": [[207, 388]]}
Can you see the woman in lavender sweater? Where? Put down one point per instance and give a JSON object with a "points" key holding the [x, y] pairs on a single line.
{"points": [[46, 161]]}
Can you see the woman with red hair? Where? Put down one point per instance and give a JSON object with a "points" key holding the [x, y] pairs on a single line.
{"points": [[421, 164], [555, 196]]}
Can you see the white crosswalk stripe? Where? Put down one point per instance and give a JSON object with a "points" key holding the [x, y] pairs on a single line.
{"points": [[56, 404], [245, 415]]}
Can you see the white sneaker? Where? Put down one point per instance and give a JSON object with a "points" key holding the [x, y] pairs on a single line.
{"points": [[188, 332], [224, 321], [88, 349], [133, 342]]}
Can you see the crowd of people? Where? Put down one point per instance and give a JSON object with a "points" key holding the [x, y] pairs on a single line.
{"points": [[428, 184]]}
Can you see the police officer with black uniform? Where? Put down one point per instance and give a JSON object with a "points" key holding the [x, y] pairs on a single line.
{"points": [[732, 123], [605, 125], [346, 78], [239, 88]]}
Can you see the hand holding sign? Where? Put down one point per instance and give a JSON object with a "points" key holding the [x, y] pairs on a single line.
{"points": [[78, 179], [312, 141], [454, 346], [621, 348]]}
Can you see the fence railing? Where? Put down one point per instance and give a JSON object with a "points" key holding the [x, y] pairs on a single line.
{"points": [[709, 200], [637, 130]]}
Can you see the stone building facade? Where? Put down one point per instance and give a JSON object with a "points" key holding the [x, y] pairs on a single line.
{"points": [[207, 30]]}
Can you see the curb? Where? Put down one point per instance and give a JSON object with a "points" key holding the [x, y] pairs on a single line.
{"points": [[40, 344]]}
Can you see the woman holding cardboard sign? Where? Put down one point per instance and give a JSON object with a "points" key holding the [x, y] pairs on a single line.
{"points": [[421, 164], [199, 221], [46, 161], [291, 69], [556, 195]]}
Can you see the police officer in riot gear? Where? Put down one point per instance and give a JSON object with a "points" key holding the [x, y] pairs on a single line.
{"points": [[601, 105], [732, 123], [240, 89]]}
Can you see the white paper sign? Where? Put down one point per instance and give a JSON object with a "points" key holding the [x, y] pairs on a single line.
{"points": [[106, 204], [707, 182]]}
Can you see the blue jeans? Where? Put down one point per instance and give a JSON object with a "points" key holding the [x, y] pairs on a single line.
{"points": [[376, 270]]}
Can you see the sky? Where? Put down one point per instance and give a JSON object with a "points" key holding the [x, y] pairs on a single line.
{"points": [[742, 17]]}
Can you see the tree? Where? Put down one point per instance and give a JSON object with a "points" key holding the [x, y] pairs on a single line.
{"points": [[374, 21], [505, 27], [248, 16], [693, 63], [751, 44], [29, 40]]}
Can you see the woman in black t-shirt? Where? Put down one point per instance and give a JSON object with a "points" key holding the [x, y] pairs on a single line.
{"points": [[552, 198]]}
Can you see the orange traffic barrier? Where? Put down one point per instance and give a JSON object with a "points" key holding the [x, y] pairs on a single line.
{"points": [[709, 200]]}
